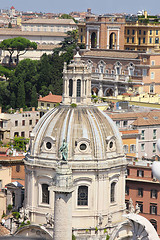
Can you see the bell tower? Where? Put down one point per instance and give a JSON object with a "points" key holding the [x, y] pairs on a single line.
{"points": [[76, 82]]}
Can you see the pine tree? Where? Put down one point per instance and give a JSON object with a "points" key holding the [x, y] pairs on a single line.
{"points": [[21, 94], [13, 100], [34, 99]]}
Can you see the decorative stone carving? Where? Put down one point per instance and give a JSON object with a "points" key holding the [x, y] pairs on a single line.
{"points": [[50, 219]]}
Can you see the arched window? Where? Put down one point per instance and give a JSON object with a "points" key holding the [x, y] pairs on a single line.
{"points": [[113, 186], [82, 195], [93, 40], [78, 90], [45, 193], [70, 87], [154, 223]]}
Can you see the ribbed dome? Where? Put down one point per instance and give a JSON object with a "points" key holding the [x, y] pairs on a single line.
{"points": [[89, 133]]}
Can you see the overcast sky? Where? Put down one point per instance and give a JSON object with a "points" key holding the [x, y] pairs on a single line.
{"points": [[97, 6]]}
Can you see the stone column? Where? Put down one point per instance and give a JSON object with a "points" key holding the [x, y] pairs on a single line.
{"points": [[98, 38], [63, 202], [118, 40], [108, 38], [87, 45]]}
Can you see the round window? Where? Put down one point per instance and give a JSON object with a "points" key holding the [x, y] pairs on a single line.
{"points": [[83, 146], [111, 145], [48, 145]]}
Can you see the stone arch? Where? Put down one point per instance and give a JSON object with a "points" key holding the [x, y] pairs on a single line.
{"points": [[112, 40], [109, 92], [93, 40], [94, 90], [33, 231]]}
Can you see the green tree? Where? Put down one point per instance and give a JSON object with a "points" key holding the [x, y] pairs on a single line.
{"points": [[21, 94], [19, 44], [67, 16], [13, 100], [34, 100], [9, 25]]}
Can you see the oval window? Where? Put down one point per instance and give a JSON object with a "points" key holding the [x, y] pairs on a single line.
{"points": [[48, 145], [111, 145], [83, 146]]}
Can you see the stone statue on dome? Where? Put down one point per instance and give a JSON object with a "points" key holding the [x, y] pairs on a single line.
{"points": [[64, 150]]}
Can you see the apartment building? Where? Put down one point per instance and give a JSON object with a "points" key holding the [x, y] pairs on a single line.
{"points": [[148, 126], [17, 124], [142, 33], [144, 191]]}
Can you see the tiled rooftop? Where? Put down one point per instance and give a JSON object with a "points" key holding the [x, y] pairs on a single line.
{"points": [[49, 21], [51, 98], [111, 54]]}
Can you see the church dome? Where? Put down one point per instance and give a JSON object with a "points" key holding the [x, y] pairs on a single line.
{"points": [[89, 133]]}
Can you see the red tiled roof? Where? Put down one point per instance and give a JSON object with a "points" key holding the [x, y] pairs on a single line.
{"points": [[51, 98]]}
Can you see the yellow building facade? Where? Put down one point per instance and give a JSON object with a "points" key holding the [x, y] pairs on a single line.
{"points": [[143, 35]]}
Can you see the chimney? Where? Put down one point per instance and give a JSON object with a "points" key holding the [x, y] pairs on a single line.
{"points": [[21, 110], [33, 109]]}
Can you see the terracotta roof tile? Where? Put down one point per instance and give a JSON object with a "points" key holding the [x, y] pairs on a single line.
{"points": [[49, 21], [17, 32], [139, 118], [111, 54], [51, 98]]}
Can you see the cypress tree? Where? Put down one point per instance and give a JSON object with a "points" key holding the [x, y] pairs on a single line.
{"points": [[34, 100], [21, 94], [13, 100]]}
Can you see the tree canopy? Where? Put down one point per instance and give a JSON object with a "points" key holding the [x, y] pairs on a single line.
{"points": [[32, 78], [19, 44]]}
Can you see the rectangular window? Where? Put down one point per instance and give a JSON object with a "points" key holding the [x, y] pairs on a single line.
{"points": [[142, 134], [133, 32], [127, 39], [139, 32], [0, 184], [144, 32], [150, 40], [42, 104], [128, 31], [154, 133], [30, 122], [132, 39], [142, 147], [140, 205], [156, 40], [118, 124], [150, 32], [156, 32], [16, 134], [48, 105], [154, 147], [125, 123], [140, 192], [16, 123], [125, 148], [144, 40], [152, 75], [153, 209], [139, 41], [128, 172], [144, 72], [22, 134], [127, 190], [152, 62], [132, 148], [153, 193], [23, 122], [152, 88], [17, 168], [140, 173]]}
